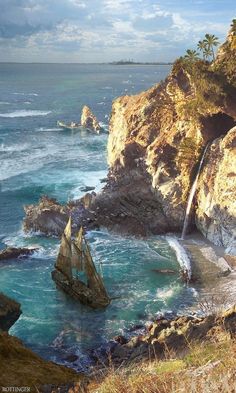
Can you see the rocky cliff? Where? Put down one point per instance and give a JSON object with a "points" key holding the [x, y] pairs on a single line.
{"points": [[216, 202], [156, 140]]}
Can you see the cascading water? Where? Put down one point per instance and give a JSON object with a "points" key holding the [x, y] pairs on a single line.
{"points": [[191, 195]]}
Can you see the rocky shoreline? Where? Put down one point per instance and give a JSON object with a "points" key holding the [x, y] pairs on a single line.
{"points": [[168, 335]]}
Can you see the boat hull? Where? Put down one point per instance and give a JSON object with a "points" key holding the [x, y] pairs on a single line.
{"points": [[68, 126], [79, 291]]}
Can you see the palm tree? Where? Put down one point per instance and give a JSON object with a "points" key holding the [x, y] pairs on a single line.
{"points": [[233, 26], [207, 53], [191, 55], [202, 47], [211, 40]]}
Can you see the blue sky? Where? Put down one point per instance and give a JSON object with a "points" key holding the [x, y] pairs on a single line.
{"points": [[108, 30]]}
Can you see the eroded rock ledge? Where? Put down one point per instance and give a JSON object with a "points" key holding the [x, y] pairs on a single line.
{"points": [[173, 336]]}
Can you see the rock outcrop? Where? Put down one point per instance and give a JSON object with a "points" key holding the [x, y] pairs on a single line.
{"points": [[89, 121], [216, 199], [16, 252], [10, 311], [19, 366], [50, 218], [174, 336]]}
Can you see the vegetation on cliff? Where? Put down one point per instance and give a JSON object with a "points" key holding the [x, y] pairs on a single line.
{"points": [[213, 83]]}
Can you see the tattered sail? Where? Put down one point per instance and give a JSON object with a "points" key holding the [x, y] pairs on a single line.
{"points": [[63, 262], [94, 279], [77, 255]]}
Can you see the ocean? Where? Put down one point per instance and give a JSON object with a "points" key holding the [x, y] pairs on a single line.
{"points": [[36, 158]]}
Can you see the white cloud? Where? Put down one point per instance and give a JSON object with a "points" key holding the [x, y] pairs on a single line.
{"points": [[78, 3]]}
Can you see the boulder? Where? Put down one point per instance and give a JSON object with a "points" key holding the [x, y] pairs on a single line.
{"points": [[89, 121]]}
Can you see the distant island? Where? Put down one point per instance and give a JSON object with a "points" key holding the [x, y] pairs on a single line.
{"points": [[131, 62]]}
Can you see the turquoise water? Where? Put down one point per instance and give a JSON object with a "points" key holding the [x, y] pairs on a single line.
{"points": [[38, 158]]}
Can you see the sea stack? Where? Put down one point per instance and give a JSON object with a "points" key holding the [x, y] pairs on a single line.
{"points": [[88, 120]]}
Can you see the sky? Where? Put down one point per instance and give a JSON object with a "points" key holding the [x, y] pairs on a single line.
{"points": [[108, 30]]}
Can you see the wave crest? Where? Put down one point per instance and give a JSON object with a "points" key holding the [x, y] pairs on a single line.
{"points": [[24, 113]]}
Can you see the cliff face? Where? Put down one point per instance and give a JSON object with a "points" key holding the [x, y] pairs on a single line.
{"points": [[156, 140], [151, 142], [216, 202]]}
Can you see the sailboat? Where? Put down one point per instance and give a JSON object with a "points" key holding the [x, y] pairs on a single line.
{"points": [[75, 272]]}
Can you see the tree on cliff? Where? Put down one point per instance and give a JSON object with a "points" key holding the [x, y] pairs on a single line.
{"points": [[191, 55], [202, 47], [211, 40]]}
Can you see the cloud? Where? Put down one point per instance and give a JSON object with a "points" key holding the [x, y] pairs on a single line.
{"points": [[104, 30]]}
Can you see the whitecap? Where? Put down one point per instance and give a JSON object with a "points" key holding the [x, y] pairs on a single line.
{"points": [[13, 148], [5, 103], [26, 94], [43, 129], [165, 293], [24, 113], [104, 125]]}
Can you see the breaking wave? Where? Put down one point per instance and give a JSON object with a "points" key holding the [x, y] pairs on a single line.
{"points": [[24, 113]]}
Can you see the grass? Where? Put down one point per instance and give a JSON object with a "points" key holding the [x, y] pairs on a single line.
{"points": [[206, 368]]}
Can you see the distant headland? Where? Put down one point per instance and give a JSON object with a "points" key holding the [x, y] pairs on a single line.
{"points": [[131, 62]]}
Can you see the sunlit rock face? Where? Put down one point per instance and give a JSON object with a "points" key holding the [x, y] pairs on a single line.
{"points": [[216, 200], [153, 151], [89, 120]]}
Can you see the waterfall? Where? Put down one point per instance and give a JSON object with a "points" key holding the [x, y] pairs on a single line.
{"points": [[182, 257], [191, 195]]}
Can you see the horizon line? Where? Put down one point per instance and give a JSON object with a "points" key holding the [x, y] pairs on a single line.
{"points": [[105, 62]]}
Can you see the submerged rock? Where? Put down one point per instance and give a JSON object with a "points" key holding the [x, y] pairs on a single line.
{"points": [[87, 188], [10, 311], [88, 120], [16, 252], [164, 271]]}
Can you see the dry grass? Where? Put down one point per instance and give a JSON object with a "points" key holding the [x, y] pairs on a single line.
{"points": [[206, 368]]}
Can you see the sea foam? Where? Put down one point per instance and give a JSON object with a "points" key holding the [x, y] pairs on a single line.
{"points": [[24, 113]]}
